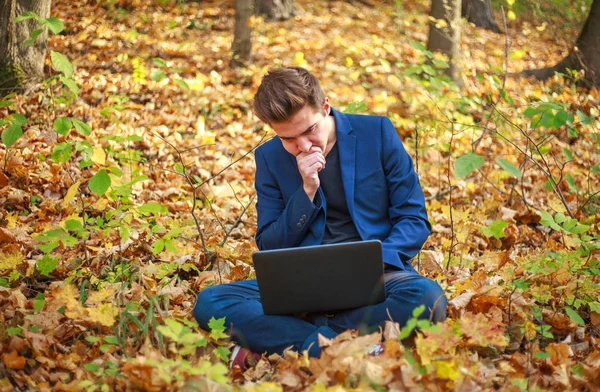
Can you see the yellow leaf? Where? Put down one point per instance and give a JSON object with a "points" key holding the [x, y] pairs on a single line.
{"points": [[68, 295], [542, 27], [349, 62], [70, 196], [299, 59], [103, 314], [518, 54], [99, 156], [98, 297], [12, 219], [510, 2], [447, 370], [100, 205], [355, 75], [511, 15], [10, 261]]}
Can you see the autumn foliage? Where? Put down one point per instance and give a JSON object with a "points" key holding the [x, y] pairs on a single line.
{"points": [[127, 187]]}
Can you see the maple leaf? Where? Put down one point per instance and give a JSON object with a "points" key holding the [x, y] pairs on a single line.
{"points": [[13, 360], [482, 331], [103, 314], [10, 261], [217, 328]]}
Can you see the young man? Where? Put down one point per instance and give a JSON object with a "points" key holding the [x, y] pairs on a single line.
{"points": [[327, 177]]}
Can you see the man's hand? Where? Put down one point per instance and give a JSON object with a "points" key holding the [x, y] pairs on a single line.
{"points": [[310, 164]]}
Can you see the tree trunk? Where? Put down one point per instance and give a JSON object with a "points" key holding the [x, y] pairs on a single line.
{"points": [[20, 65], [584, 56], [242, 43], [275, 9], [446, 39], [479, 12]]}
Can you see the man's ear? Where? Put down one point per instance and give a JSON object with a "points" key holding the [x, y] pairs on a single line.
{"points": [[326, 106]]}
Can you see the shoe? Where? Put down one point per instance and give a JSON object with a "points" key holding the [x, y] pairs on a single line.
{"points": [[376, 349], [243, 358]]}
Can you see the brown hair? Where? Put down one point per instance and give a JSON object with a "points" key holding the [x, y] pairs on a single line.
{"points": [[283, 92]]}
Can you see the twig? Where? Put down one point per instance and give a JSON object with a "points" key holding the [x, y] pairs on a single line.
{"points": [[451, 248], [495, 103], [192, 184], [237, 221]]}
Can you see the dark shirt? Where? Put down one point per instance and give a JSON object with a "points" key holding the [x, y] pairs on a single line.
{"points": [[339, 226]]}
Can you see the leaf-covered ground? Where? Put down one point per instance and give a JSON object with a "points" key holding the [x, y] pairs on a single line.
{"points": [[104, 303]]}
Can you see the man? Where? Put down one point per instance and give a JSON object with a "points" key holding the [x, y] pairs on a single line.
{"points": [[327, 177]]}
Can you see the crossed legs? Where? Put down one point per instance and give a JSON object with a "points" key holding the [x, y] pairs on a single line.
{"points": [[239, 303]]}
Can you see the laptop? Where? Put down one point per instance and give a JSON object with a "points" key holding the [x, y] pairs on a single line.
{"points": [[320, 278]]}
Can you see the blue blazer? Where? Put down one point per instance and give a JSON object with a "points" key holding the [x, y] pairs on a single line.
{"points": [[382, 191]]}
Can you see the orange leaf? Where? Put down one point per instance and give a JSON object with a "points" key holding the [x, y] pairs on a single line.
{"points": [[13, 360]]}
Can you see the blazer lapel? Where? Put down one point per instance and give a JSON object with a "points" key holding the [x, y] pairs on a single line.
{"points": [[347, 152]]}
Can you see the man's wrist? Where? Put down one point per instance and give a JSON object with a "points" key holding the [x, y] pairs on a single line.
{"points": [[310, 193]]}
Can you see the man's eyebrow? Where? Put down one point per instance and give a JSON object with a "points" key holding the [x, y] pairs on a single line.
{"points": [[307, 130]]}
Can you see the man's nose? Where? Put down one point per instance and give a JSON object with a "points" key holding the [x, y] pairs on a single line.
{"points": [[304, 144]]}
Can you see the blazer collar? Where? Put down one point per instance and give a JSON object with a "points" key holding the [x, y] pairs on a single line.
{"points": [[342, 124]]}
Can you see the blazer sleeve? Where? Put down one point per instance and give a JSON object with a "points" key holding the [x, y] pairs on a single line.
{"points": [[407, 212], [281, 224]]}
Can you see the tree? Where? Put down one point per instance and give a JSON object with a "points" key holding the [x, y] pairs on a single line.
{"points": [[242, 43], [479, 12], [584, 56], [275, 9], [444, 33], [21, 64]]}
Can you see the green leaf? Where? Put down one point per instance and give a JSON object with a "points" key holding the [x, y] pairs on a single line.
{"points": [[356, 107], [217, 328], [46, 264], [70, 84], [62, 152], [509, 167], [560, 218], [111, 339], [13, 331], [573, 315], [92, 367], [467, 164], [568, 154], [19, 119], [547, 119], [26, 15], [579, 229], [157, 76], [99, 183], [54, 24], [560, 119], [62, 125], [584, 119], [152, 208], [158, 61], [571, 181], [530, 112], [182, 84], [33, 37], [548, 221], [542, 355], [223, 353], [158, 246], [418, 46], [440, 63], [11, 135], [83, 128], [495, 229], [92, 339], [62, 63]]}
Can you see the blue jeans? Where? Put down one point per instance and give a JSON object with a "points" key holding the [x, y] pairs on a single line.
{"points": [[239, 303]]}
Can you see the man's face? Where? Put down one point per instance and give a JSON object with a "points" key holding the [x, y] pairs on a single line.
{"points": [[307, 131]]}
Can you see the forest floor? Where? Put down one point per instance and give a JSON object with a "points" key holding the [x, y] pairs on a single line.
{"points": [[509, 167]]}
